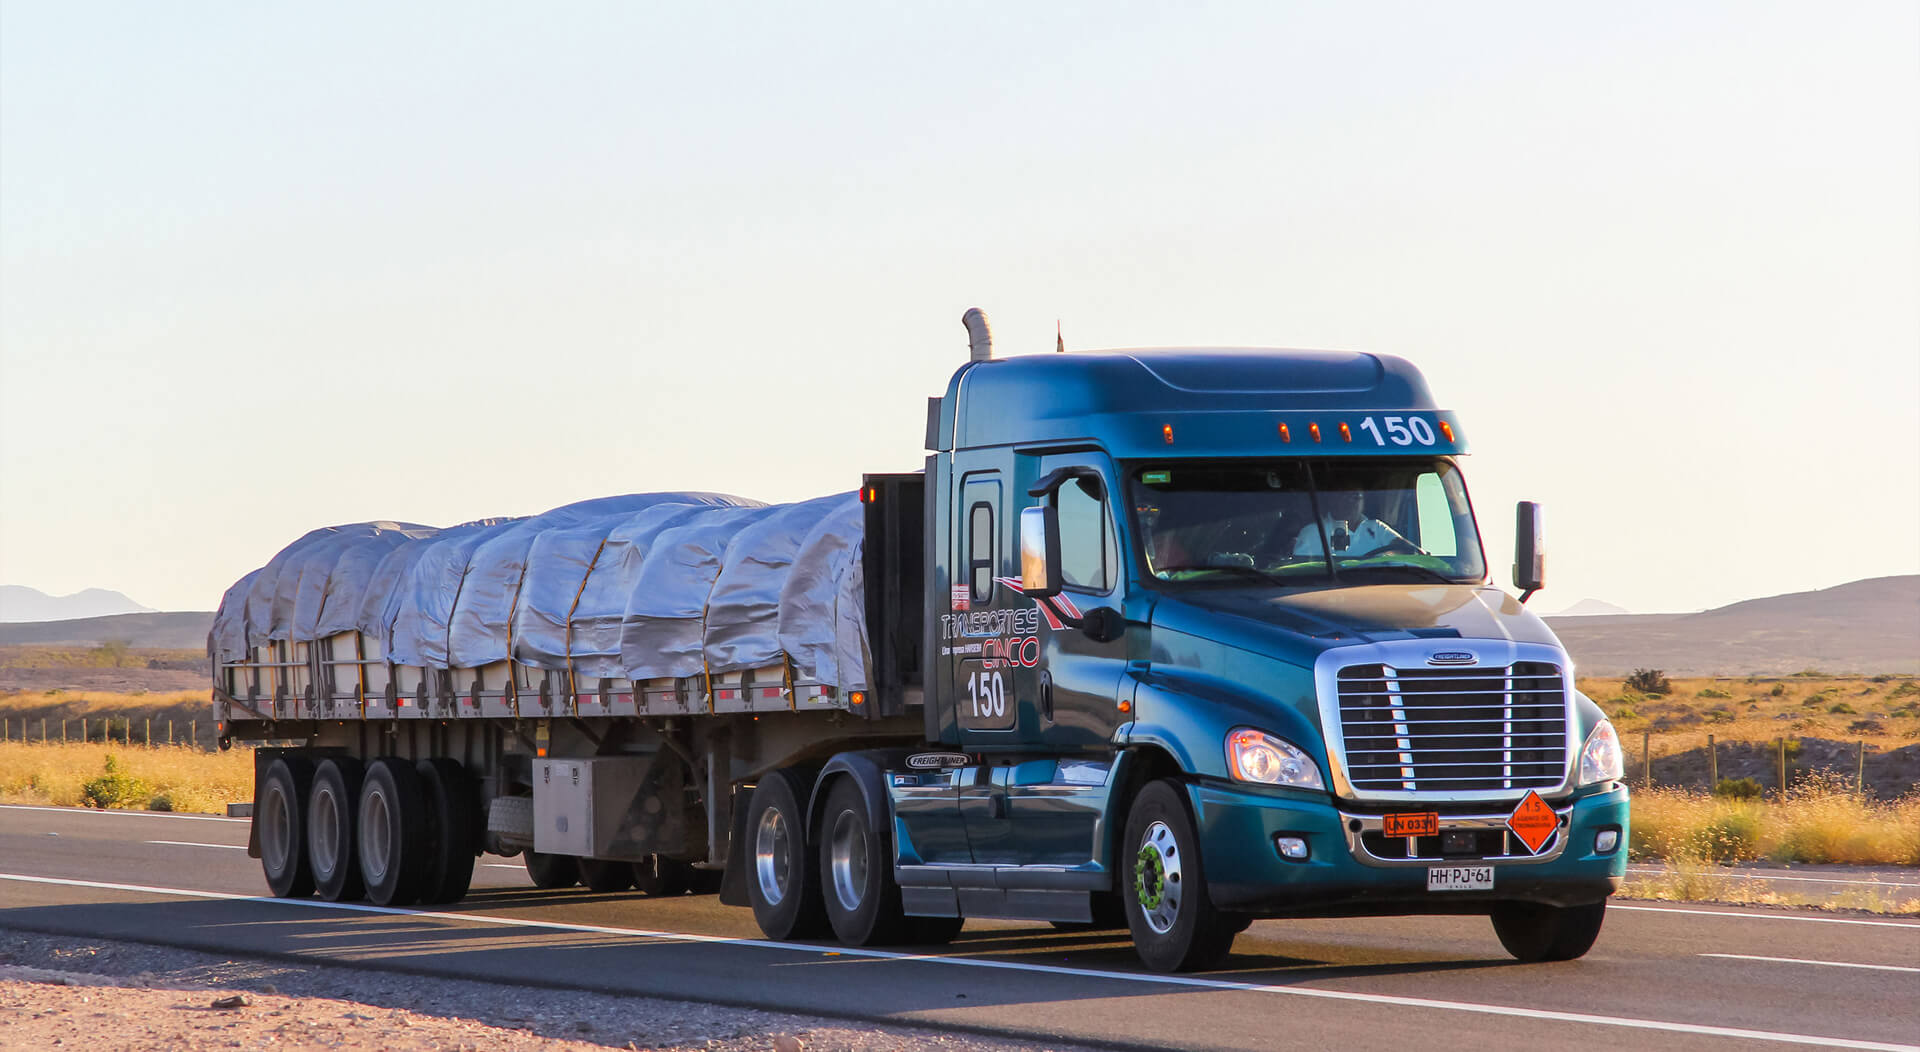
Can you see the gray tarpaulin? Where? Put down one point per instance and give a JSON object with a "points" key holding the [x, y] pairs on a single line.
{"points": [[644, 585]]}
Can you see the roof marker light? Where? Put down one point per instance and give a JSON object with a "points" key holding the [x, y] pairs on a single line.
{"points": [[1285, 434], [1447, 430], [1346, 433], [1166, 432], [1314, 430]]}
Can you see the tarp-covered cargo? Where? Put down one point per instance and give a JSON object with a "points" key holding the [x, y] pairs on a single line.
{"points": [[643, 586]]}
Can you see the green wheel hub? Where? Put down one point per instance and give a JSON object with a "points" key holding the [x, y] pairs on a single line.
{"points": [[1158, 878], [1150, 878]]}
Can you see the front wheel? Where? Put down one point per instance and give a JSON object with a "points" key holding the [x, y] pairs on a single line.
{"points": [[1175, 927], [1535, 932]]}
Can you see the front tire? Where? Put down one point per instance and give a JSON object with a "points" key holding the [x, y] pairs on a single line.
{"points": [[782, 877], [392, 832], [281, 825], [1533, 932], [856, 872], [1175, 927], [331, 847]]}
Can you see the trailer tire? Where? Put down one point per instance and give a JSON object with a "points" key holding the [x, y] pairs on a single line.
{"points": [[331, 837], [783, 880], [1533, 931], [552, 871], [281, 826], [856, 872], [658, 877], [453, 811], [1175, 927], [391, 829], [604, 876]]}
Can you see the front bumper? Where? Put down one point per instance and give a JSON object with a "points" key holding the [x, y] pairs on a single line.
{"points": [[1246, 873]]}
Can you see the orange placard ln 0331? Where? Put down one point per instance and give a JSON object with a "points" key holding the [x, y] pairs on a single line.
{"points": [[1419, 823], [1533, 822]]}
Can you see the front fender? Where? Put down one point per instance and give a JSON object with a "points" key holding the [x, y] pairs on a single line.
{"points": [[1189, 715]]}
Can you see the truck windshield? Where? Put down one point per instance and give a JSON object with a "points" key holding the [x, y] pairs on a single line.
{"points": [[1295, 521]]}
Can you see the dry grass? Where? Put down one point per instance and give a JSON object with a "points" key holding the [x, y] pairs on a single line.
{"points": [[1696, 880], [104, 655], [1818, 821], [191, 779], [81, 702], [1883, 711]]}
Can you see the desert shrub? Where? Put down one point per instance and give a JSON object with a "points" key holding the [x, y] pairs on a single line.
{"points": [[1841, 709], [161, 802], [1778, 689], [1732, 835], [1810, 673], [1715, 692], [1906, 711], [1629, 714], [114, 787], [1903, 690], [1650, 681], [1867, 726], [1738, 789], [1719, 716]]}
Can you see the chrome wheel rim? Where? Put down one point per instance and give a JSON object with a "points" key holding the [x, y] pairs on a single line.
{"points": [[376, 838], [276, 829], [323, 830], [849, 861], [773, 856], [1156, 878]]}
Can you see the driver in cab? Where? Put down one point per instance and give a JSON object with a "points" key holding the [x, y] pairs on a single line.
{"points": [[1350, 533]]}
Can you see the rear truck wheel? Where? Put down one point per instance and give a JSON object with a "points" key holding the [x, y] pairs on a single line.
{"points": [[856, 872], [392, 832], [657, 877], [281, 824], [1109, 914], [453, 819], [1175, 927], [1533, 932], [331, 847], [552, 871], [783, 880], [604, 876]]}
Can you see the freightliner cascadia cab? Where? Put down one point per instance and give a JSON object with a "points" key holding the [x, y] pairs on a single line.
{"points": [[1212, 637]]}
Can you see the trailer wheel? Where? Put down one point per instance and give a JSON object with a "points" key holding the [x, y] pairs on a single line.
{"points": [[601, 875], [658, 877], [1175, 927], [856, 872], [782, 880], [392, 832], [330, 834], [552, 871], [1534, 932], [281, 825], [453, 811]]}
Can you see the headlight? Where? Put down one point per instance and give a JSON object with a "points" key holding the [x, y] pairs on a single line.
{"points": [[1256, 757], [1600, 761]]}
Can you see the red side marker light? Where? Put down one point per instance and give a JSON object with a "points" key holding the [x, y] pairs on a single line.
{"points": [[1447, 430], [1166, 432], [1285, 435], [1314, 430], [1346, 433]]}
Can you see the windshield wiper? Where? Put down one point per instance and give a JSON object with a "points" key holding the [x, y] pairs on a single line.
{"points": [[1430, 573]]}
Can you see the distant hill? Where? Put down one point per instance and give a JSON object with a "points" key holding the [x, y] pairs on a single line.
{"points": [[1589, 608], [1869, 626], [20, 603], [181, 631]]}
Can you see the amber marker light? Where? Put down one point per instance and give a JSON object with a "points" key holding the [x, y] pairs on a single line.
{"points": [[1346, 433], [1166, 432], [1314, 430], [1447, 430], [858, 697], [1286, 435], [1126, 706]]}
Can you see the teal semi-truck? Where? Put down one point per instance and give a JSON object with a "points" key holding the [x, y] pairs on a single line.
{"points": [[1165, 640]]}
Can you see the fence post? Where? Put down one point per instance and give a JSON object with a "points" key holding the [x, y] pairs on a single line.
{"points": [[1646, 756], [43, 730], [169, 732], [83, 729], [1783, 765], [1713, 765], [1860, 776], [63, 731], [193, 733], [146, 733]]}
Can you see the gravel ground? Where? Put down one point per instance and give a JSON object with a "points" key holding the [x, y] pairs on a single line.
{"points": [[59, 992]]}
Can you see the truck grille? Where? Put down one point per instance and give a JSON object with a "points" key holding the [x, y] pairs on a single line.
{"points": [[1454, 730]]}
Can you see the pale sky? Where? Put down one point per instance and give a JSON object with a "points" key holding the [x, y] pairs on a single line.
{"points": [[267, 267]]}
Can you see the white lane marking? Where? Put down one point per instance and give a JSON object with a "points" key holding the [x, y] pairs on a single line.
{"points": [[1750, 874], [189, 843], [1803, 960], [1139, 978], [131, 814], [1762, 916]]}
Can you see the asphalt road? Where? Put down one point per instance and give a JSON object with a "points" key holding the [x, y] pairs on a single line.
{"points": [[1662, 976]]}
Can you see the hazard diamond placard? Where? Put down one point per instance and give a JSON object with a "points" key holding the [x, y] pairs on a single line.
{"points": [[1533, 822]]}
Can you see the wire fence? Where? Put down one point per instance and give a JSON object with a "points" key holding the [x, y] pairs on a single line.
{"points": [[110, 730]]}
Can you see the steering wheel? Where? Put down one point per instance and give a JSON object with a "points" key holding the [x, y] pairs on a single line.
{"points": [[1396, 546]]}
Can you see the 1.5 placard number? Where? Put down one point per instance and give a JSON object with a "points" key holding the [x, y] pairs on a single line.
{"points": [[1399, 430]]}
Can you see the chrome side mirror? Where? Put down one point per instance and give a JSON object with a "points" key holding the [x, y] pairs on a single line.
{"points": [[1040, 551], [1529, 550]]}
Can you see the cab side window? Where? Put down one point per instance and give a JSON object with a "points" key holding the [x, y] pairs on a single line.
{"points": [[1089, 555], [980, 557]]}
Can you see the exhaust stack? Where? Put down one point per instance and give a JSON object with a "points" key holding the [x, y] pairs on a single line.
{"points": [[979, 336]]}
